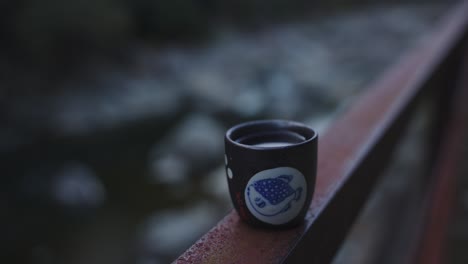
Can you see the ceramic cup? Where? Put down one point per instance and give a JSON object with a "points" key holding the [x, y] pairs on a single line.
{"points": [[271, 167]]}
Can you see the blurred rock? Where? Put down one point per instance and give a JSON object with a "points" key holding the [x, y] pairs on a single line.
{"points": [[193, 145], [208, 88], [134, 99], [69, 189], [76, 186], [284, 101], [175, 230], [199, 139], [216, 185], [250, 103], [169, 169]]}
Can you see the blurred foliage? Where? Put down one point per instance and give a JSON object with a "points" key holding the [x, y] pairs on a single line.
{"points": [[45, 29], [44, 22]]}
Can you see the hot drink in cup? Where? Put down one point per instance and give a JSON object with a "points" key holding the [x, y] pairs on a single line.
{"points": [[271, 167]]}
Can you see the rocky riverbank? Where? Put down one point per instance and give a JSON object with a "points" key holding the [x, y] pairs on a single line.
{"points": [[146, 139]]}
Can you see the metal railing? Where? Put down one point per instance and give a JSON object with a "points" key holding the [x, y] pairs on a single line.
{"points": [[354, 151]]}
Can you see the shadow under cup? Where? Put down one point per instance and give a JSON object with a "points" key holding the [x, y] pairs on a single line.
{"points": [[271, 168]]}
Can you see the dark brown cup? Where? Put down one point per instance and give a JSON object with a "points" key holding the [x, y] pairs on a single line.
{"points": [[271, 168]]}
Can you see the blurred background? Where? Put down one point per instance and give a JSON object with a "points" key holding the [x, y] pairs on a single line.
{"points": [[113, 112]]}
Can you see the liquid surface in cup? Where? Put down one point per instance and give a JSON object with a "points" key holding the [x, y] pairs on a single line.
{"points": [[272, 139], [273, 144]]}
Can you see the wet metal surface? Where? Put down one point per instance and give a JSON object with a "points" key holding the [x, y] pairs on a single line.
{"points": [[440, 199]]}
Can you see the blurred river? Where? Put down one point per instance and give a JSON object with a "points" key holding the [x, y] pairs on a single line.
{"points": [[125, 163]]}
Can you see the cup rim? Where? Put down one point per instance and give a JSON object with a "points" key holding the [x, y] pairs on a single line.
{"points": [[270, 125]]}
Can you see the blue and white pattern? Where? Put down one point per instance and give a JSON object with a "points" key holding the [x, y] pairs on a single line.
{"points": [[276, 195]]}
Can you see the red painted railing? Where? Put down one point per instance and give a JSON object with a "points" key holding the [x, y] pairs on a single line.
{"points": [[440, 199], [353, 152]]}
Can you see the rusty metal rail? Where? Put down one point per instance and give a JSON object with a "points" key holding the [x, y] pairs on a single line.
{"points": [[352, 153], [440, 198]]}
